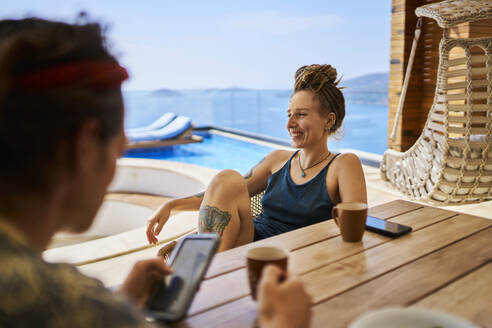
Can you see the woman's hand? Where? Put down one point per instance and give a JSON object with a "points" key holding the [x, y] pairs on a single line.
{"points": [[157, 222], [143, 279], [282, 304]]}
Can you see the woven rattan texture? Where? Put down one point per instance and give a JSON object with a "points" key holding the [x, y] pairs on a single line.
{"points": [[451, 162], [453, 12], [256, 208]]}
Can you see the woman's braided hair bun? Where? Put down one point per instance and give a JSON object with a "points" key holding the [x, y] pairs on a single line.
{"points": [[315, 76], [322, 80]]}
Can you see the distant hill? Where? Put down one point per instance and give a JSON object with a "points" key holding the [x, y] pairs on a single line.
{"points": [[367, 89], [374, 82], [230, 89], [166, 92]]}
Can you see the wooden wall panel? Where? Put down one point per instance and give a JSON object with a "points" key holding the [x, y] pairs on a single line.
{"points": [[420, 92]]}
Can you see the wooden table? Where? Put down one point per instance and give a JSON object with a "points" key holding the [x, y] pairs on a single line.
{"points": [[444, 264]]}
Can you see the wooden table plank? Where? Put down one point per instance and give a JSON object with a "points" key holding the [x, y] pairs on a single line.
{"points": [[409, 283], [234, 258], [331, 269], [234, 285], [215, 292], [239, 313], [325, 252], [212, 292], [394, 208], [422, 217], [399, 287], [338, 277], [469, 297]]}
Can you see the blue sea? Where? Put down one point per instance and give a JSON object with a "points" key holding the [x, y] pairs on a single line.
{"points": [[258, 111]]}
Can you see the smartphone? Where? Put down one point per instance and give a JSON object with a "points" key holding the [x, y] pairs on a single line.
{"points": [[189, 261], [386, 228]]}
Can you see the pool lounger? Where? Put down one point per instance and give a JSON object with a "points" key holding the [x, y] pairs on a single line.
{"points": [[176, 132], [179, 125], [157, 124]]}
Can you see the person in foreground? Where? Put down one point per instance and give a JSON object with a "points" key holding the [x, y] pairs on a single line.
{"points": [[61, 131], [301, 187]]}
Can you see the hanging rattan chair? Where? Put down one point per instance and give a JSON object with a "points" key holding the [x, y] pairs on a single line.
{"points": [[451, 162]]}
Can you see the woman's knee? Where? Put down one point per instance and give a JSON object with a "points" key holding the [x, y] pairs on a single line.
{"points": [[229, 181]]}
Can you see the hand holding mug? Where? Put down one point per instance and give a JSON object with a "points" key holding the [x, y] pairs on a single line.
{"points": [[259, 257], [283, 301]]}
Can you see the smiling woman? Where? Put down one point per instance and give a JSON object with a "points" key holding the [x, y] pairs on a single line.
{"points": [[300, 187]]}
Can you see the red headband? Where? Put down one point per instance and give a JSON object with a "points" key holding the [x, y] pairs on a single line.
{"points": [[99, 74]]}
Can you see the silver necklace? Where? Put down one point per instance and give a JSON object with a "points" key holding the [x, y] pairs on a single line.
{"points": [[303, 174]]}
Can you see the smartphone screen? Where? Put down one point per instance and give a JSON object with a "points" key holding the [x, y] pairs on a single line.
{"points": [[387, 228], [176, 291]]}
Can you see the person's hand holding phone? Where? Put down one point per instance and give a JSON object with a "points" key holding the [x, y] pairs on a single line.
{"points": [[283, 301], [190, 259], [142, 280]]}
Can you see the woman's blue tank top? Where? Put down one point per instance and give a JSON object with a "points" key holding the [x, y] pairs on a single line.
{"points": [[288, 206]]}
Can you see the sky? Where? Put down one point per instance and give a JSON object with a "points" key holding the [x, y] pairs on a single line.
{"points": [[220, 44]]}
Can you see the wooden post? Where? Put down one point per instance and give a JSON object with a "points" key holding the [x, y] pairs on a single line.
{"points": [[421, 86]]}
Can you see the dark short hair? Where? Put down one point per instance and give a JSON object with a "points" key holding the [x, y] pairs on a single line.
{"points": [[34, 122]]}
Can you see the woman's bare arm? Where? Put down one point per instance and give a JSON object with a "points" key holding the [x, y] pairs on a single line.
{"points": [[161, 216], [191, 203], [351, 180], [257, 177]]}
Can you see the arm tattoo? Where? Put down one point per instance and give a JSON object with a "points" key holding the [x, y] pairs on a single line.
{"points": [[250, 173], [212, 219]]}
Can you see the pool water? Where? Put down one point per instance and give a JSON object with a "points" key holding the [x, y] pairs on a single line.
{"points": [[216, 151]]}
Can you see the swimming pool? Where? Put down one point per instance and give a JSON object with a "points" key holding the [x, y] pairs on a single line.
{"points": [[216, 151], [261, 112]]}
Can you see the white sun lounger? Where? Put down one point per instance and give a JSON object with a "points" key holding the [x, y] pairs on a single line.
{"points": [[177, 126], [157, 124], [178, 131]]}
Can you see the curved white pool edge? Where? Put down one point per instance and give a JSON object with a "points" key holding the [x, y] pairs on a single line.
{"points": [[121, 244], [176, 179], [128, 215], [141, 175]]}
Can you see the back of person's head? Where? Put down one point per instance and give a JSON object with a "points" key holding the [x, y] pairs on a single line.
{"points": [[53, 77], [322, 80]]}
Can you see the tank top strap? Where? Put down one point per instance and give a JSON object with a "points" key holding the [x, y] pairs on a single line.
{"points": [[328, 165], [286, 166], [291, 157], [331, 160]]}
